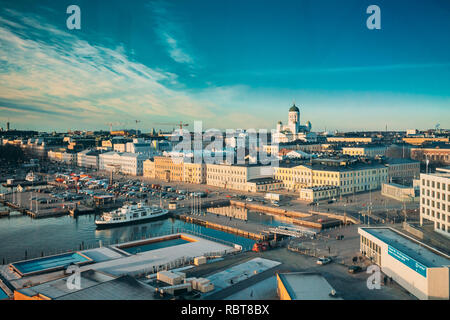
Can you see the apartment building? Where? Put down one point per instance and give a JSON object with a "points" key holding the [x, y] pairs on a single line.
{"points": [[434, 200]]}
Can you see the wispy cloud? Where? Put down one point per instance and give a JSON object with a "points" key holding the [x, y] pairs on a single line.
{"points": [[52, 71], [170, 33]]}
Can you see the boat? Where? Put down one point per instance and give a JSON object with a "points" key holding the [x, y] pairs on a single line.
{"points": [[31, 177], [130, 213]]}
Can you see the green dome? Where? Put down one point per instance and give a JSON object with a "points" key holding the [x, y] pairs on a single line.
{"points": [[294, 109]]}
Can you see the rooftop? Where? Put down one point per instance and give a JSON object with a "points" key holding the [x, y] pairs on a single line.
{"points": [[414, 249], [307, 286]]}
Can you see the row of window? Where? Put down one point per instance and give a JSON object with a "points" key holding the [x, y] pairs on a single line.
{"points": [[435, 184], [438, 215], [435, 204]]}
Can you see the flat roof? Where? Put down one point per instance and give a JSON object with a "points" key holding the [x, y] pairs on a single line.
{"points": [[307, 286], [58, 288], [414, 249], [123, 288]]}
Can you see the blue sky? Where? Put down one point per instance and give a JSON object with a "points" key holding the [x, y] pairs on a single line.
{"points": [[231, 64]]}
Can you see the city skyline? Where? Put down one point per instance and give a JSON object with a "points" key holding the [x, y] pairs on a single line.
{"points": [[228, 64]]}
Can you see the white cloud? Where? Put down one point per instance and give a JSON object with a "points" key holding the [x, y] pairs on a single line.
{"points": [[69, 77]]}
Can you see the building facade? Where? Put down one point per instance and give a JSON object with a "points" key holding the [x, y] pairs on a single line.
{"points": [[420, 269], [434, 201]]}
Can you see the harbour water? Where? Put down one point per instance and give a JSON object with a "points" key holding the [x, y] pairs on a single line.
{"points": [[22, 236]]}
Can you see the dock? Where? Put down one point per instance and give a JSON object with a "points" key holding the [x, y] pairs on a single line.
{"points": [[221, 223]]}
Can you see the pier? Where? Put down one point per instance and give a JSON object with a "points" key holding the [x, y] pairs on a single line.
{"points": [[238, 227]]}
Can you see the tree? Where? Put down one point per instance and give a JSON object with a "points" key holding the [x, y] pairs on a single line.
{"points": [[11, 154]]}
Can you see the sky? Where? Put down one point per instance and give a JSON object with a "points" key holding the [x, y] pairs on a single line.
{"points": [[227, 63]]}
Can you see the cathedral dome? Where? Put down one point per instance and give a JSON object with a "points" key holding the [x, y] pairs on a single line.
{"points": [[294, 109]]}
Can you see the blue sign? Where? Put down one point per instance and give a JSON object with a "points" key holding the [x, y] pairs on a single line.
{"points": [[406, 260]]}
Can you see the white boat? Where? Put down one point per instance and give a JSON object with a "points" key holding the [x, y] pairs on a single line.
{"points": [[31, 177], [130, 213]]}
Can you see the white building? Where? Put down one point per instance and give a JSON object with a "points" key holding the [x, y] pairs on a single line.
{"points": [[293, 130], [236, 177], [88, 159], [420, 269], [126, 163], [434, 200]]}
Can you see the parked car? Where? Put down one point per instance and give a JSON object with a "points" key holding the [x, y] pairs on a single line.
{"points": [[354, 269], [323, 260]]}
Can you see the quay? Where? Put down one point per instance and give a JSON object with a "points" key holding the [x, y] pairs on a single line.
{"points": [[242, 228]]}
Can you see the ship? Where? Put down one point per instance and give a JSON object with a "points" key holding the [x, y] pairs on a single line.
{"points": [[31, 177], [130, 213]]}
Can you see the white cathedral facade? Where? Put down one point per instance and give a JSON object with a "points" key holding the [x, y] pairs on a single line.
{"points": [[293, 130]]}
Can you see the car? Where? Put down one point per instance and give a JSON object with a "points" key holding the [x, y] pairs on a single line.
{"points": [[323, 261], [354, 269]]}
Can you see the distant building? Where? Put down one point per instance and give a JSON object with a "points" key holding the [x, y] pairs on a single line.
{"points": [[293, 130], [350, 139], [439, 155], [402, 170], [368, 151], [422, 140]]}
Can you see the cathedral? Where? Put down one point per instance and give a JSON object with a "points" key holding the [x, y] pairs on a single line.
{"points": [[293, 130]]}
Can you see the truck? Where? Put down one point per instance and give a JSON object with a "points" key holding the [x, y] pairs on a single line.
{"points": [[273, 196]]}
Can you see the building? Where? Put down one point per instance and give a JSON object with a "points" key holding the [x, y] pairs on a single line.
{"points": [[400, 192], [318, 193], [169, 168], [275, 149], [149, 169], [126, 163], [236, 177], [439, 155], [420, 269], [422, 140], [194, 173], [434, 200], [88, 159], [348, 177], [350, 139], [402, 170], [293, 130], [304, 286], [367, 151]]}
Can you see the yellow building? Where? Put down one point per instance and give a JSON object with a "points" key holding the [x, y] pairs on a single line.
{"points": [[349, 179], [169, 169], [194, 173], [422, 140], [350, 139], [368, 151]]}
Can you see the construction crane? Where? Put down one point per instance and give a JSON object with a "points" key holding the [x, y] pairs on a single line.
{"points": [[180, 125], [137, 121], [111, 124]]}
